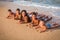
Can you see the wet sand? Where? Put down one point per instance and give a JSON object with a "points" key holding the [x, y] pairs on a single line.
{"points": [[11, 30]]}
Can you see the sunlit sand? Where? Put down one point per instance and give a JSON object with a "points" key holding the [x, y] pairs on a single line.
{"points": [[10, 29]]}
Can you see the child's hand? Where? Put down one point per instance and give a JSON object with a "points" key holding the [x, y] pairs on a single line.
{"points": [[20, 21], [30, 25]]}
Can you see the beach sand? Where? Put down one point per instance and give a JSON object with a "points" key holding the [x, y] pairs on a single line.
{"points": [[10, 29]]}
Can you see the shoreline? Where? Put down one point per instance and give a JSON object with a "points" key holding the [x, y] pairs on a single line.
{"points": [[11, 30]]}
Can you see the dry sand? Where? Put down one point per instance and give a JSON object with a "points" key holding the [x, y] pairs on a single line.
{"points": [[11, 30]]}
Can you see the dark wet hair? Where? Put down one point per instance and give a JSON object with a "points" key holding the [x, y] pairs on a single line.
{"points": [[18, 9], [26, 14], [34, 13], [9, 10]]}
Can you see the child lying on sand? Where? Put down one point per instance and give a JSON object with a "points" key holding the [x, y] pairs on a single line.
{"points": [[43, 26], [34, 21], [17, 15], [40, 24], [24, 17], [10, 14], [37, 23], [46, 18]]}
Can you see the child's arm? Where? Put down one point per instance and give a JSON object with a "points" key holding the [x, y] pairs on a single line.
{"points": [[42, 26]]}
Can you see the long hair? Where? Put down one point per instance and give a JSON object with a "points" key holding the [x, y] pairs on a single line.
{"points": [[26, 14]]}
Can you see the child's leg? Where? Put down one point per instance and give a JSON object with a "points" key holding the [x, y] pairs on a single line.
{"points": [[47, 19], [55, 25]]}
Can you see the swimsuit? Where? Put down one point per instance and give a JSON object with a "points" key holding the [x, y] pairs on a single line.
{"points": [[48, 25]]}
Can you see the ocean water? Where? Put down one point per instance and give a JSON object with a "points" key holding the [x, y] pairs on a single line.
{"points": [[44, 5], [49, 2], [52, 5], [41, 6]]}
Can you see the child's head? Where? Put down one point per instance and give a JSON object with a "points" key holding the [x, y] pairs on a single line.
{"points": [[24, 13], [17, 10], [33, 15], [9, 11]]}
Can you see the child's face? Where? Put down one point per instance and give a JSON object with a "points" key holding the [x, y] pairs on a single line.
{"points": [[9, 12], [33, 17], [23, 14], [17, 11]]}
